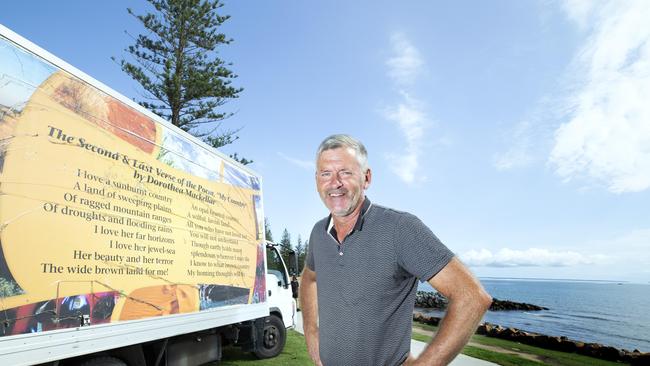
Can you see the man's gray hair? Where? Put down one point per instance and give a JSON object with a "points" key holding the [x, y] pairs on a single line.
{"points": [[345, 141]]}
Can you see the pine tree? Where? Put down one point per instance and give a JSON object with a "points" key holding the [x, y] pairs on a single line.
{"points": [[300, 253], [304, 255], [176, 64], [286, 247]]}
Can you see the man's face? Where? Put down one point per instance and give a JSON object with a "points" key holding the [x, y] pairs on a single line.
{"points": [[340, 181]]}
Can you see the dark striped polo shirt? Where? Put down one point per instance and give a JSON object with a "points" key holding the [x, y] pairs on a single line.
{"points": [[367, 285]]}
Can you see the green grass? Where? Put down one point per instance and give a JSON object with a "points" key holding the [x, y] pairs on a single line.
{"points": [[294, 353], [549, 357], [499, 358], [487, 355]]}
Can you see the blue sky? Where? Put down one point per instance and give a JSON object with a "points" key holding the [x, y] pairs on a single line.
{"points": [[519, 131]]}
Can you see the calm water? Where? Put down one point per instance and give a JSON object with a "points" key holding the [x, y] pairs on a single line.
{"points": [[609, 313]]}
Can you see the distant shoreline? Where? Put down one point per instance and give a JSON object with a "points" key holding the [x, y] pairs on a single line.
{"points": [[561, 280]]}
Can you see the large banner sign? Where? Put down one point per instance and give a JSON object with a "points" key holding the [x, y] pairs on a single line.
{"points": [[107, 214]]}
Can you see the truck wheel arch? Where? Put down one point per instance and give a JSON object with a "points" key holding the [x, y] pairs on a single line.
{"points": [[275, 311]]}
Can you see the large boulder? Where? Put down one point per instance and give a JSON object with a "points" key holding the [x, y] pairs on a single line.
{"points": [[640, 359], [609, 353], [430, 300], [421, 318], [499, 305], [434, 300], [567, 345]]}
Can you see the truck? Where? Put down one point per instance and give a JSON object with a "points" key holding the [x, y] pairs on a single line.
{"points": [[123, 239]]}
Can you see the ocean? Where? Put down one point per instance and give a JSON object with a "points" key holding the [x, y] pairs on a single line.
{"points": [[610, 313]]}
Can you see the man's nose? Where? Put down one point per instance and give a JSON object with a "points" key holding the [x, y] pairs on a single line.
{"points": [[336, 180]]}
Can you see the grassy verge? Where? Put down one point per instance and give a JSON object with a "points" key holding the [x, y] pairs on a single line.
{"points": [[294, 353], [505, 352], [499, 351], [488, 355], [499, 358]]}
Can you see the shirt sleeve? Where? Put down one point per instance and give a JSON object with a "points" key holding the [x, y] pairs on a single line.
{"points": [[418, 250]]}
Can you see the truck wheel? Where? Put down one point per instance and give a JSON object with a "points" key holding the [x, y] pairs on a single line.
{"points": [[104, 361], [274, 336]]}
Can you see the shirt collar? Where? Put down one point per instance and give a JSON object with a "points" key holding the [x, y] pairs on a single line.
{"points": [[359, 224]]}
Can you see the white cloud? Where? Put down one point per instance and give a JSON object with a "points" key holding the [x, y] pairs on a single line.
{"points": [[406, 63], [409, 113], [607, 137], [621, 256], [304, 164], [532, 257], [579, 10], [412, 121]]}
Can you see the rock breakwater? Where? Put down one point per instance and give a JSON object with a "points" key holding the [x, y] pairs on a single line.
{"points": [[561, 343], [434, 300]]}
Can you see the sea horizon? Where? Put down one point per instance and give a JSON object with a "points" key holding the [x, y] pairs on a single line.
{"points": [[636, 282]]}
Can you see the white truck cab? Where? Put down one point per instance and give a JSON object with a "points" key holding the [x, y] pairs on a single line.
{"points": [[282, 306], [278, 284]]}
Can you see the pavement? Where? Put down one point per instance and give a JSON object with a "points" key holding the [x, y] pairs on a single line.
{"points": [[417, 347]]}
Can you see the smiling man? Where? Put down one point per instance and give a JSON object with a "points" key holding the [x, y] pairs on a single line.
{"points": [[362, 270]]}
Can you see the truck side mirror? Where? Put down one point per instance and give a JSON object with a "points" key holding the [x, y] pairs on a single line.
{"points": [[293, 263]]}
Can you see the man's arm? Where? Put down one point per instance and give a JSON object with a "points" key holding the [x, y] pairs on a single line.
{"points": [[309, 305], [468, 301]]}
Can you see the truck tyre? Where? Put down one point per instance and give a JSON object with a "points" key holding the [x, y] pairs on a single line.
{"points": [[273, 338], [104, 361]]}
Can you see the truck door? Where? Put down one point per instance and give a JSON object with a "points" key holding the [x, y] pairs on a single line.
{"points": [[279, 287]]}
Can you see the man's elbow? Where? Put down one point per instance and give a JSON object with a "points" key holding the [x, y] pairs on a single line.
{"points": [[484, 300], [476, 299]]}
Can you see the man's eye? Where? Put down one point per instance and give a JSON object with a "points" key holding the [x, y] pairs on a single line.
{"points": [[345, 173], [325, 174]]}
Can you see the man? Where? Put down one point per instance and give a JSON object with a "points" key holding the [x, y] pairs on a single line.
{"points": [[362, 269], [295, 286]]}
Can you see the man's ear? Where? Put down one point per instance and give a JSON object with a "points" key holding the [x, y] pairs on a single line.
{"points": [[367, 179]]}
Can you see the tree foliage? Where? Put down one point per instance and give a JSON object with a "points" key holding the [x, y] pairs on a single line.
{"points": [[285, 241], [176, 64], [300, 250], [267, 229], [286, 247]]}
